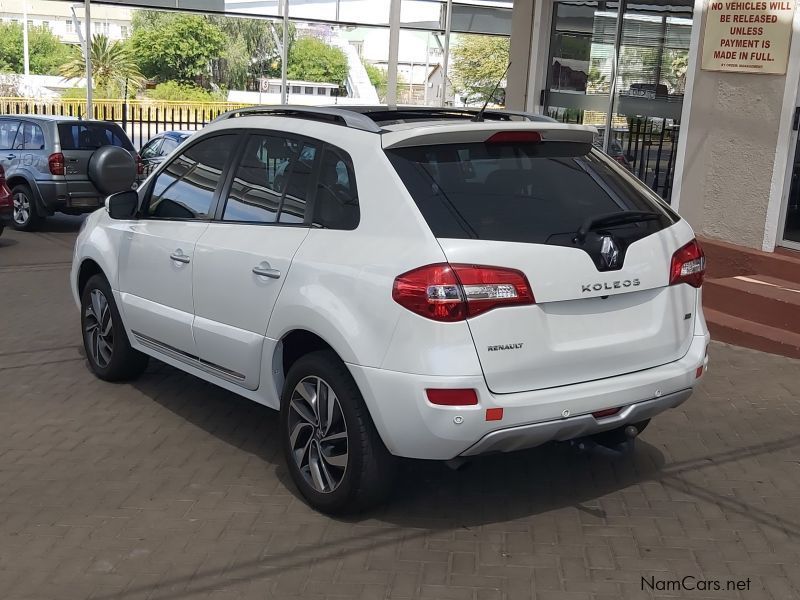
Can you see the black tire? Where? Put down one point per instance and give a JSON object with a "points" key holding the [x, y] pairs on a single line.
{"points": [[119, 362], [616, 437], [367, 476], [26, 217]]}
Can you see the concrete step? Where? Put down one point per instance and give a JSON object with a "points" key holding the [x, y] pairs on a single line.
{"points": [[742, 332], [757, 298], [726, 260]]}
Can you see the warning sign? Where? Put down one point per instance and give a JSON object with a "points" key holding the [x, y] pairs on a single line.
{"points": [[750, 36]]}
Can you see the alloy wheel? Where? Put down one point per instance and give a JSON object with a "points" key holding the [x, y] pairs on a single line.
{"points": [[99, 329], [318, 434], [22, 208]]}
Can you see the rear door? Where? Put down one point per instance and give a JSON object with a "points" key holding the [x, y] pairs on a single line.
{"points": [[8, 134], [603, 306], [79, 140]]}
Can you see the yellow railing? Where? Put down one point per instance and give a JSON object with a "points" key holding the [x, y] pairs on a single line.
{"points": [[112, 109]]}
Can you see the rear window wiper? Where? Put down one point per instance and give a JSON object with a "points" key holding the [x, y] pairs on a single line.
{"points": [[615, 218]]}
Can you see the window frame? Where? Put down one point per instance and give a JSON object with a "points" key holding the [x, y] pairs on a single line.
{"points": [[234, 167], [215, 199]]}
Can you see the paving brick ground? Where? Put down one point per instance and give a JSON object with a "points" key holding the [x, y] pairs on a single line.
{"points": [[173, 489]]}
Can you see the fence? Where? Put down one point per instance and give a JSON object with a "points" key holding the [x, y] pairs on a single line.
{"points": [[645, 145], [141, 119]]}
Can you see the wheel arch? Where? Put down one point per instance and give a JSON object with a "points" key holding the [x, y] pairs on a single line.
{"points": [[23, 178], [87, 269]]}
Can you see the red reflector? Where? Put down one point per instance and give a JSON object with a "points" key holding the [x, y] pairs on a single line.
{"points": [[515, 137], [699, 373], [494, 414], [600, 414], [459, 397]]}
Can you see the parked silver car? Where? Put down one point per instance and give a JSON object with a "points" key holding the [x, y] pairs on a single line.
{"points": [[51, 164]]}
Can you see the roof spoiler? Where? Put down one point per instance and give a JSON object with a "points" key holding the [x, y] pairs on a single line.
{"points": [[464, 133]]}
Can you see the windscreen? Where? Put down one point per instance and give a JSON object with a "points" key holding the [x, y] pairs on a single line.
{"points": [[534, 193], [91, 136]]}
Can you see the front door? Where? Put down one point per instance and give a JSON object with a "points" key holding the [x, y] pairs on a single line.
{"points": [[791, 223], [157, 256], [242, 260]]}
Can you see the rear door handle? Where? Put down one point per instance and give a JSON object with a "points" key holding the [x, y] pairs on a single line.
{"points": [[264, 270], [179, 256], [11, 156]]}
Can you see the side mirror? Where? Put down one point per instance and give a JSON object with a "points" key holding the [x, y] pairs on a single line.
{"points": [[122, 205]]}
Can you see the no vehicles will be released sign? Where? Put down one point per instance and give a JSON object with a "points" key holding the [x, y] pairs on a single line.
{"points": [[748, 36]]}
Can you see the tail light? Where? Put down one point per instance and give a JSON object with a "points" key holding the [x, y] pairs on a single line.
{"points": [[445, 292], [55, 162], [515, 137], [688, 265], [5, 194], [139, 165]]}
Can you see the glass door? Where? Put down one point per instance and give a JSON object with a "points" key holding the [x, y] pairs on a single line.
{"points": [[791, 223]]}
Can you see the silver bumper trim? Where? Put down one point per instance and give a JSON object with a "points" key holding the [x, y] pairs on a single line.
{"points": [[535, 434]]}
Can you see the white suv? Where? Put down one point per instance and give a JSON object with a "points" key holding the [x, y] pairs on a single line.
{"points": [[428, 283]]}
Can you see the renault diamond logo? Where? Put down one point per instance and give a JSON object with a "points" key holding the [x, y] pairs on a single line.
{"points": [[609, 252]]}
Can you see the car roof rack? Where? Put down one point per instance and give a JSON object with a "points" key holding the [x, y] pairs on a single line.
{"points": [[338, 116], [369, 118]]}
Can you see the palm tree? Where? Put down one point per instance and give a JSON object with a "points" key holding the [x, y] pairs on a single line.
{"points": [[113, 66]]}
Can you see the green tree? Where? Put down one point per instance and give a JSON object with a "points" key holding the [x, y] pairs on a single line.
{"points": [[478, 64], [172, 90], [46, 52], [172, 46], [377, 77], [112, 66], [311, 59]]}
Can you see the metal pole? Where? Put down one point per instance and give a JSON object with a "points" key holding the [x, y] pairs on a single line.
{"points": [[394, 50], [87, 55], [448, 21], [614, 72], [427, 66], [25, 53], [285, 56]]}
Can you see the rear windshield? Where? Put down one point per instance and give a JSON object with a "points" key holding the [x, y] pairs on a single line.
{"points": [[531, 193], [90, 136]]}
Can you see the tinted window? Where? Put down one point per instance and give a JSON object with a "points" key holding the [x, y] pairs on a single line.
{"points": [[336, 202], [185, 188], [90, 136], [271, 182], [168, 146], [517, 192], [8, 132]]}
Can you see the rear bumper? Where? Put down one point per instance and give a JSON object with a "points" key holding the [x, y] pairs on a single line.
{"points": [[74, 196], [535, 434], [411, 426]]}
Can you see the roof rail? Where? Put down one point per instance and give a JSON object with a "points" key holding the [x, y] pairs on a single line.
{"points": [[399, 113], [338, 116]]}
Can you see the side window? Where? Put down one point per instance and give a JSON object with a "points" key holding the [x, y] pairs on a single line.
{"points": [[8, 132], [336, 202], [185, 189], [151, 148], [29, 137], [168, 146], [271, 181]]}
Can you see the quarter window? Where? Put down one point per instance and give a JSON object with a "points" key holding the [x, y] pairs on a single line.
{"points": [[336, 202], [29, 137], [271, 182], [185, 189]]}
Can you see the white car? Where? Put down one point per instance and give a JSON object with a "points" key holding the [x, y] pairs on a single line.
{"points": [[432, 284]]}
